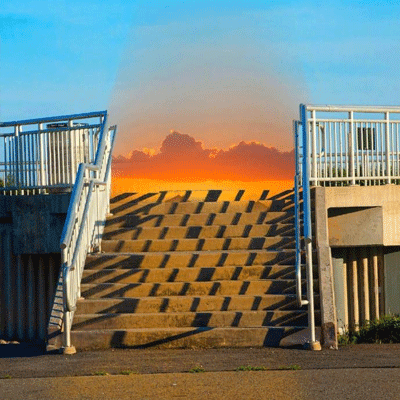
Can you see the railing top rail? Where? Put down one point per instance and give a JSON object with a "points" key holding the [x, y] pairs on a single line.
{"points": [[54, 119], [49, 130], [360, 109]]}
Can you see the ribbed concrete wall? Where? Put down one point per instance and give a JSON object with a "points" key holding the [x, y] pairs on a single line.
{"points": [[28, 283], [359, 285], [28, 279]]}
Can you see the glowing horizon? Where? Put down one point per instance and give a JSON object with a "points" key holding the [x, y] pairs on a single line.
{"points": [[182, 158]]}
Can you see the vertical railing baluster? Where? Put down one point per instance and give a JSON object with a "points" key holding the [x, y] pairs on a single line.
{"points": [[6, 160], [314, 145], [351, 148], [16, 157], [387, 144], [72, 151]]}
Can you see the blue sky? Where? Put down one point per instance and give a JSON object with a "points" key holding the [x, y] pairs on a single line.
{"points": [[202, 67]]}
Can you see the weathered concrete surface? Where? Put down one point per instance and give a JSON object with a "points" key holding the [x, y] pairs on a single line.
{"points": [[353, 372], [20, 361], [30, 259], [326, 283], [355, 226], [279, 385], [37, 221], [387, 197], [300, 338], [352, 216]]}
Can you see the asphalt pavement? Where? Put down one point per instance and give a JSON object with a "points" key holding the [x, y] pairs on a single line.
{"points": [[352, 372]]}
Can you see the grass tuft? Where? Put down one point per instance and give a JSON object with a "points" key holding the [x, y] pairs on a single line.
{"points": [[128, 372], [100, 373], [6, 377], [382, 330], [251, 368], [293, 367], [197, 369]]}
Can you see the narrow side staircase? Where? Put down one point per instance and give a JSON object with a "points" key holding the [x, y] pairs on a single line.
{"points": [[191, 269]]}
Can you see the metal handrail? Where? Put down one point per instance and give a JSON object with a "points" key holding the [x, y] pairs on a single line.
{"points": [[85, 221], [302, 178], [297, 223]]}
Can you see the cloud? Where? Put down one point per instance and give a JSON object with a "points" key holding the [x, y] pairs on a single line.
{"points": [[182, 157]]}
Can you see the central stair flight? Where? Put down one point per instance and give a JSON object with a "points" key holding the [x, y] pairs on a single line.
{"points": [[191, 270]]}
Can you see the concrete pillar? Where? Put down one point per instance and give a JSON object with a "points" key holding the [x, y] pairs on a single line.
{"points": [[374, 287], [354, 311], [381, 280], [365, 286], [325, 269], [345, 292]]}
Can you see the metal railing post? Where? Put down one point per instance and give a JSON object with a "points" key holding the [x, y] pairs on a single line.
{"points": [[314, 146], [352, 148], [314, 345], [41, 157], [387, 137], [16, 149], [67, 347], [299, 295]]}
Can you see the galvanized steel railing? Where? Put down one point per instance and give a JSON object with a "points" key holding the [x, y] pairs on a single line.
{"points": [[41, 155], [84, 224], [353, 145]]}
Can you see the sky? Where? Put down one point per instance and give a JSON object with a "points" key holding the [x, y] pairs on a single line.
{"points": [[222, 72]]}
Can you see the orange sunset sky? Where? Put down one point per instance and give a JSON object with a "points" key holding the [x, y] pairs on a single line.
{"points": [[182, 159]]}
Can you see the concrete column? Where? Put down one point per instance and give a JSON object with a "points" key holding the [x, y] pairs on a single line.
{"points": [[354, 317], [381, 280], [365, 311], [345, 292], [374, 287], [325, 268]]}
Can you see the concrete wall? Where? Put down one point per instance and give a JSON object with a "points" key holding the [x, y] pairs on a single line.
{"points": [[30, 232], [392, 281], [361, 223], [366, 215], [355, 226], [36, 221]]}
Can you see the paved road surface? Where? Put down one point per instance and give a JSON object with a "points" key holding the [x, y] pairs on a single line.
{"points": [[353, 372], [337, 384]]}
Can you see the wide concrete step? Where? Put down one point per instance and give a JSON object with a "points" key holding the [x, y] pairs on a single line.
{"points": [[197, 207], [184, 196], [217, 288], [174, 338], [189, 303], [190, 259], [202, 274], [166, 202], [204, 219], [241, 319], [199, 232], [163, 245]]}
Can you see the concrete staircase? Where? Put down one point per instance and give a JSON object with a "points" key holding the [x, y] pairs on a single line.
{"points": [[191, 269]]}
